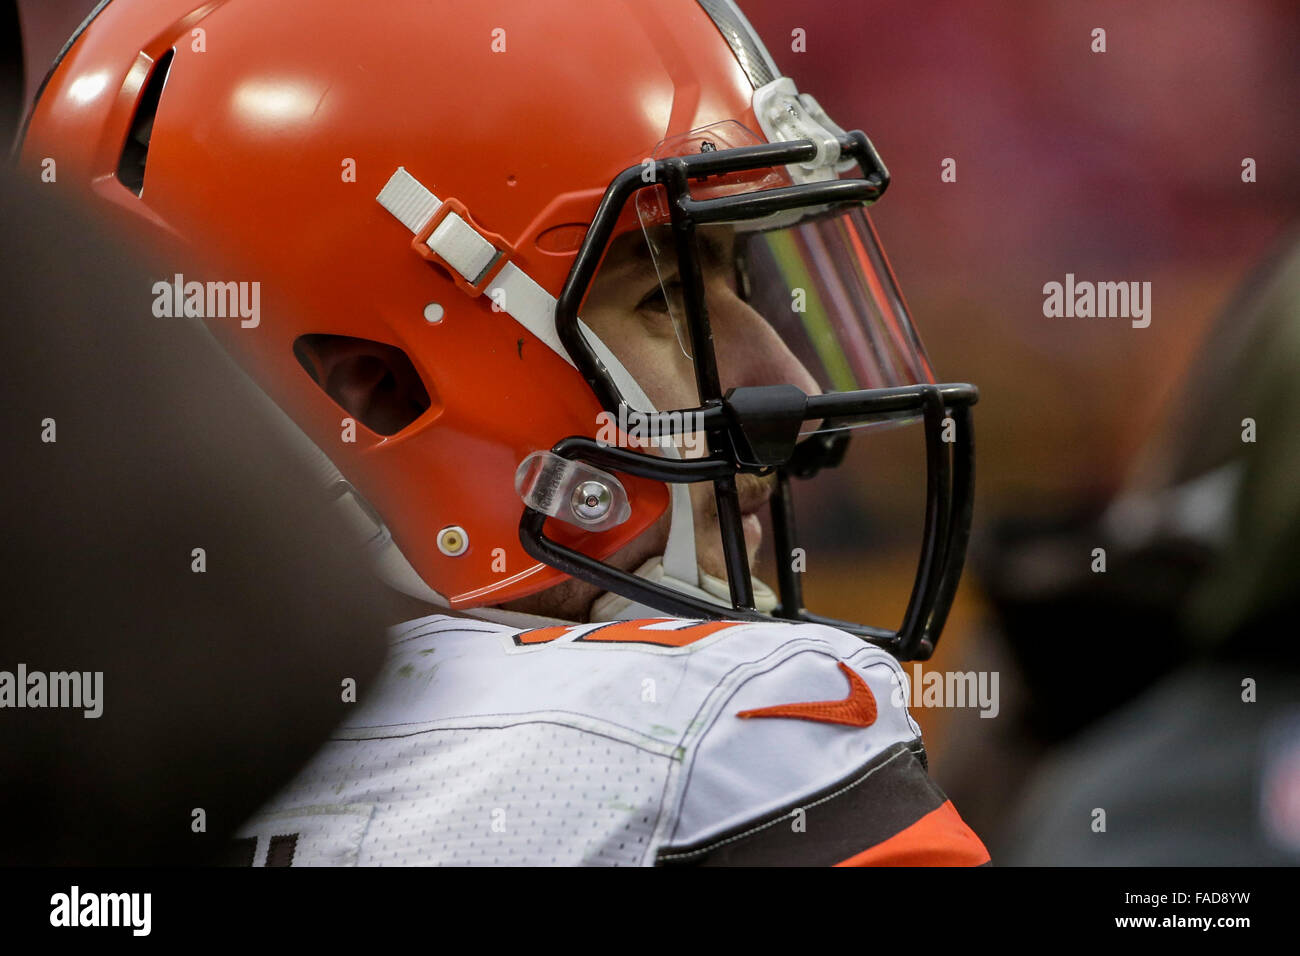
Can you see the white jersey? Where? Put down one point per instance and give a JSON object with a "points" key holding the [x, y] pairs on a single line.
{"points": [[610, 743]]}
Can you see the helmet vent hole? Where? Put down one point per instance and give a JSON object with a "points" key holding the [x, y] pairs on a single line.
{"points": [[375, 383], [135, 152]]}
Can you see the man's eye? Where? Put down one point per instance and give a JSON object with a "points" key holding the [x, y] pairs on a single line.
{"points": [[655, 300]]}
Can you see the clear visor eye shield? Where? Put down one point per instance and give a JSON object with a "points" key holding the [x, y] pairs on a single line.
{"points": [[772, 226]]}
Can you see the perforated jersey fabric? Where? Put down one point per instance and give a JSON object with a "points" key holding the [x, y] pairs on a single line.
{"points": [[604, 744]]}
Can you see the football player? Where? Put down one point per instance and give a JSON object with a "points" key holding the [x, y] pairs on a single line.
{"points": [[561, 295]]}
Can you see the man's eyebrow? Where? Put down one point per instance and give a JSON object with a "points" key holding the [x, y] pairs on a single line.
{"points": [[712, 250]]}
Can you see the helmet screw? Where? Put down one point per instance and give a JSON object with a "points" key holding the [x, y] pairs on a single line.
{"points": [[591, 501], [453, 541]]}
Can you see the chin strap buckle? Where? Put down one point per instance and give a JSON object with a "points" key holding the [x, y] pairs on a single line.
{"points": [[445, 234]]}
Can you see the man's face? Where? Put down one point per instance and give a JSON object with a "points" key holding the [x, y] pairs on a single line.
{"points": [[626, 307]]}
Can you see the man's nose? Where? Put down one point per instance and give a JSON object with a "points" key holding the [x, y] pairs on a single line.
{"points": [[750, 351]]}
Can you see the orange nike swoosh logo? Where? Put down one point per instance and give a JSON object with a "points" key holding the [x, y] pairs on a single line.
{"points": [[856, 710]]}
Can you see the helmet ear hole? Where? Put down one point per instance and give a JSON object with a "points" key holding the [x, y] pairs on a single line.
{"points": [[375, 383]]}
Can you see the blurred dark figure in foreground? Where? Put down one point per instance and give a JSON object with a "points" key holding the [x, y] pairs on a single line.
{"points": [[161, 545], [1168, 687]]}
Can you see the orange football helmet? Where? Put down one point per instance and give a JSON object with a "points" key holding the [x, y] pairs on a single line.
{"points": [[444, 179]]}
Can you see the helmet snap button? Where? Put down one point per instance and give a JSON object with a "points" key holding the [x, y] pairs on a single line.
{"points": [[591, 501], [453, 541]]}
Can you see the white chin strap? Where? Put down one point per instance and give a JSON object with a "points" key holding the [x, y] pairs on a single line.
{"points": [[678, 567], [615, 607]]}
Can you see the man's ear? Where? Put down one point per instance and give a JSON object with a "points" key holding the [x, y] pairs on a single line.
{"points": [[373, 382]]}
